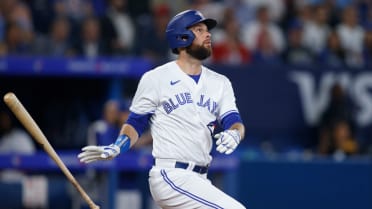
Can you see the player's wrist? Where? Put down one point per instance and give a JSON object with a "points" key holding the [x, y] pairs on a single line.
{"points": [[123, 142]]}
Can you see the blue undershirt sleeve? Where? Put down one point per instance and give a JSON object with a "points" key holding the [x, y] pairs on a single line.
{"points": [[139, 122], [230, 119]]}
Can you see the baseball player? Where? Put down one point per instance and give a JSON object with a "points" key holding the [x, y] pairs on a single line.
{"points": [[182, 101]]}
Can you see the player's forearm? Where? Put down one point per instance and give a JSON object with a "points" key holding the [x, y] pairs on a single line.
{"points": [[131, 132], [240, 127]]}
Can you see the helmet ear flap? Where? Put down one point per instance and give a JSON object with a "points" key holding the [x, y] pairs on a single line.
{"points": [[183, 39], [186, 38]]}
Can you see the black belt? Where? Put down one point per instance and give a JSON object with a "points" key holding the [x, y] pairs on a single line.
{"points": [[197, 168]]}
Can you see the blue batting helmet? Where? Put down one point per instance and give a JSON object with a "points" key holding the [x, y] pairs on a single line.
{"points": [[178, 33]]}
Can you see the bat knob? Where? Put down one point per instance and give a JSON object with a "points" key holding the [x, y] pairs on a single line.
{"points": [[9, 97]]}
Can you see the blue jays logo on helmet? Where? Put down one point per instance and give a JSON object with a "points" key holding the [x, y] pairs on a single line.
{"points": [[178, 33]]}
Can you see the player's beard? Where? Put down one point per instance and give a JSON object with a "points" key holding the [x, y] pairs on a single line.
{"points": [[198, 51]]}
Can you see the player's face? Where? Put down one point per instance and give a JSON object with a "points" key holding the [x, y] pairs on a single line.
{"points": [[201, 47]]}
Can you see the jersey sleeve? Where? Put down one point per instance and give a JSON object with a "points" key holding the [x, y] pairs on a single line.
{"points": [[227, 102], [145, 99]]}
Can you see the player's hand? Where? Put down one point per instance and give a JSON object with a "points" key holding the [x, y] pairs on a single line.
{"points": [[94, 153], [227, 141]]}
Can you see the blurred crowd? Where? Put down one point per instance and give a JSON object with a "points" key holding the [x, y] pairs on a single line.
{"points": [[331, 32], [335, 33]]}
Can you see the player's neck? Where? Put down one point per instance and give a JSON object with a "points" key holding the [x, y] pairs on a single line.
{"points": [[189, 65]]}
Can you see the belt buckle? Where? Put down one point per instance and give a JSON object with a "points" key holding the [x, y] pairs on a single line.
{"points": [[201, 169], [197, 169]]}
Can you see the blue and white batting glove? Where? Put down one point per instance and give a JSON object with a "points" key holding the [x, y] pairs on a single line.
{"points": [[227, 141], [95, 153]]}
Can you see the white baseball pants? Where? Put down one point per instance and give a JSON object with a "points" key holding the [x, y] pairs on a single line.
{"points": [[178, 188]]}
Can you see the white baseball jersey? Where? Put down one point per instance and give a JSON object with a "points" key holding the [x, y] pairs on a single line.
{"points": [[183, 110]]}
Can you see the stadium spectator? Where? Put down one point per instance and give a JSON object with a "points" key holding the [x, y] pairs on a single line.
{"points": [[336, 128], [317, 30], [333, 54], [21, 15], [296, 52], [263, 36], [118, 29], [265, 51], [15, 42], [18, 12], [351, 36], [57, 41], [90, 44], [76, 11], [230, 50], [13, 140], [17, 20], [101, 131]]}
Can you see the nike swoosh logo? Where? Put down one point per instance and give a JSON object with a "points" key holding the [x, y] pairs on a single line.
{"points": [[174, 82]]}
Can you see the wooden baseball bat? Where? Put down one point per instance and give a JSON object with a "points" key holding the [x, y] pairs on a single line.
{"points": [[28, 122]]}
